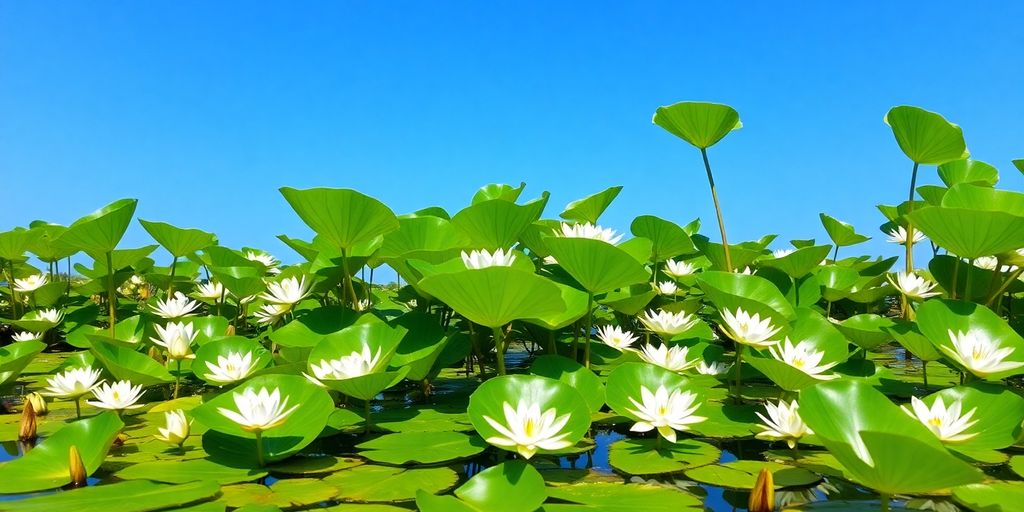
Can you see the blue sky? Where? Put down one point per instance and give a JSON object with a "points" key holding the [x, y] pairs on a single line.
{"points": [[203, 109]]}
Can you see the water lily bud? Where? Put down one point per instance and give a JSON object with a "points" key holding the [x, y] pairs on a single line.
{"points": [[762, 497], [230, 331], [38, 403], [76, 467], [27, 430]]}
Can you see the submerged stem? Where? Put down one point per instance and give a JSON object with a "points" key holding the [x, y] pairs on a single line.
{"points": [[718, 209]]}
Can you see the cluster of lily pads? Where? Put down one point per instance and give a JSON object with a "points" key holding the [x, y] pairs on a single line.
{"points": [[516, 346]]}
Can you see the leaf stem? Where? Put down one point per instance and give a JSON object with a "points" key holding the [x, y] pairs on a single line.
{"points": [[349, 287], [177, 379], [737, 366], [499, 341], [909, 242], [111, 293], [170, 282], [1005, 286], [259, 447], [369, 417], [718, 209], [590, 325]]}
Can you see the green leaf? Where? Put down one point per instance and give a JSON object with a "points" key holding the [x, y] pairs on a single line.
{"points": [[495, 296], [497, 224], [127, 364], [618, 497], [574, 374], [841, 233], [418, 235], [643, 457], [597, 265], [926, 137], [498, 191], [134, 496], [178, 241], [754, 294], [382, 484], [490, 398], [575, 308], [668, 238], [311, 327], [512, 486], [209, 352], [184, 471], [968, 171], [742, 474], [15, 357], [47, 466], [800, 262], [867, 331], [937, 317], [908, 335], [342, 216], [591, 207], [700, 124], [227, 441], [991, 497], [421, 447], [998, 413], [284, 494], [878, 444], [99, 232]]}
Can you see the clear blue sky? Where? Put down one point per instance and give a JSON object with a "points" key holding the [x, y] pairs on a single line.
{"points": [[203, 109]]}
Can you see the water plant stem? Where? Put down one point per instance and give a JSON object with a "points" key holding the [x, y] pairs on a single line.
{"points": [[885, 498], [78, 407], [910, 228], [1012, 278], [369, 417], [499, 342], [586, 334], [259, 447], [737, 367], [177, 379], [349, 287], [111, 293], [718, 209], [967, 286], [14, 293], [170, 282]]}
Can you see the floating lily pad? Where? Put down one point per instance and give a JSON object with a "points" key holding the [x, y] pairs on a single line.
{"points": [[643, 457], [297, 492], [133, 496], [370, 483], [618, 497], [421, 447], [180, 472], [742, 474]]}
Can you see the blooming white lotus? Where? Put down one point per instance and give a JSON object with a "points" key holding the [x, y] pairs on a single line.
{"points": [[527, 430], [270, 313], [177, 339], [783, 423], [747, 270], [673, 359], [978, 353], [615, 337], [258, 411], [588, 230], [210, 290], [72, 383], [666, 323], [749, 329], [118, 396], [231, 368], [355, 364], [52, 315], [899, 236], [667, 288], [27, 336], [266, 259], [991, 263], [912, 285], [482, 259], [177, 430], [549, 260], [803, 357], [679, 269], [664, 411], [948, 424], [366, 304], [175, 307], [782, 253], [286, 291], [714, 368], [30, 283]]}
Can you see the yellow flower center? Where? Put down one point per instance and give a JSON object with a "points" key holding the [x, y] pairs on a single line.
{"points": [[529, 427], [935, 422], [798, 362]]}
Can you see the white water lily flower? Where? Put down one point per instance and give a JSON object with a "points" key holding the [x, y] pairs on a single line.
{"points": [[232, 368], [803, 357], [991, 263], [27, 336], [615, 337], [715, 368], [549, 260], [672, 359], [177, 339], [270, 313], [665, 412], [364, 305], [747, 271], [899, 236], [782, 253], [667, 323], [175, 307], [258, 411], [52, 315], [978, 353], [286, 291], [118, 396], [783, 423], [749, 329], [73, 383], [679, 269], [912, 285], [527, 430], [211, 290], [588, 230], [482, 259], [30, 283], [266, 259], [667, 288], [178, 427], [948, 424], [353, 365]]}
